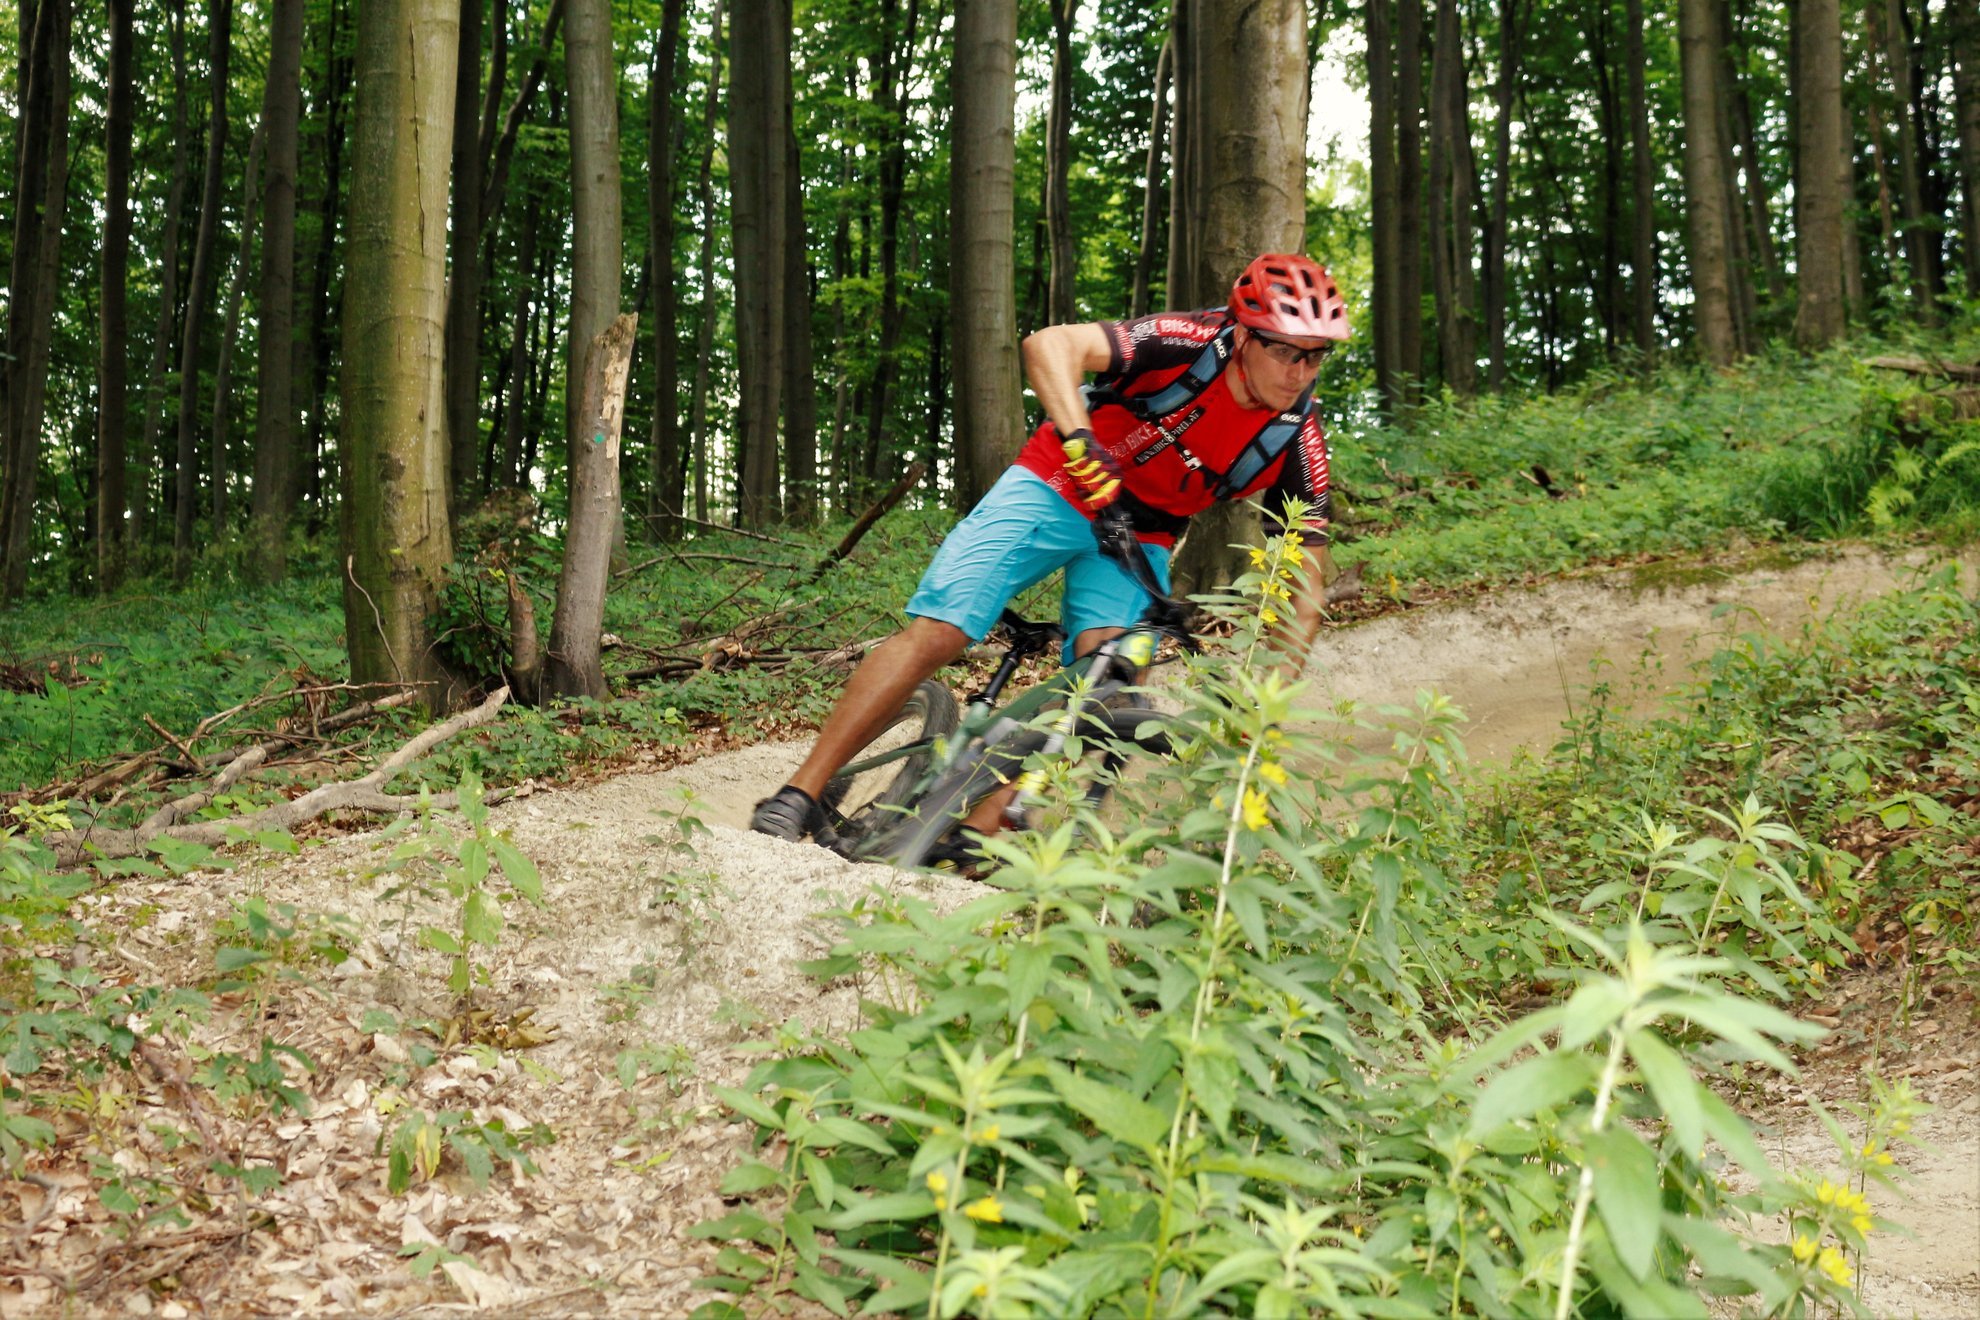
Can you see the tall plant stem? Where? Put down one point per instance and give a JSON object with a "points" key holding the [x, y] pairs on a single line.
{"points": [[1585, 1191]]}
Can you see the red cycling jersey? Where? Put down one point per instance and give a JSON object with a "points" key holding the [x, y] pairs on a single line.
{"points": [[1173, 462]]}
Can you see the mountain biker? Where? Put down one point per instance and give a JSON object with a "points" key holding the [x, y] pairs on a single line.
{"points": [[1186, 408]]}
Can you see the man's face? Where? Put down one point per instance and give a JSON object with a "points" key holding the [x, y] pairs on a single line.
{"points": [[1280, 369]]}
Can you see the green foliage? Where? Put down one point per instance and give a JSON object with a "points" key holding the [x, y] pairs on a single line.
{"points": [[439, 865], [421, 1142], [1197, 1066]]}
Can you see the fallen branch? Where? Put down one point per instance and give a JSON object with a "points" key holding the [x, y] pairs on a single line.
{"points": [[1921, 367], [867, 519], [72, 846], [709, 555]]}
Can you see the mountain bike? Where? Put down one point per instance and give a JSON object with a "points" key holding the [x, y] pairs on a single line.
{"points": [[902, 797]]}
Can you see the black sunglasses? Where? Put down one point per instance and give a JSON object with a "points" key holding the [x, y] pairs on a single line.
{"points": [[1292, 354]]}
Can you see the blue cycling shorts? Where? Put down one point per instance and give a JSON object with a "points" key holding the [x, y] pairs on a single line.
{"points": [[1017, 537]]}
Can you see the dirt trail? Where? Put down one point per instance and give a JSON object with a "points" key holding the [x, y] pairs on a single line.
{"points": [[644, 943]]}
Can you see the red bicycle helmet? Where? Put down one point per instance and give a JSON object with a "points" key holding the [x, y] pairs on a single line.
{"points": [[1287, 294]]}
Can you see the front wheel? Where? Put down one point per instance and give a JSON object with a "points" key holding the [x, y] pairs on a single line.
{"points": [[857, 801]]}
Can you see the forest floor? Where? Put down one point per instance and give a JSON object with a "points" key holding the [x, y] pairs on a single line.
{"points": [[658, 969]]}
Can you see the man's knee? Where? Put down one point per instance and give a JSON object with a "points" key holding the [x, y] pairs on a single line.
{"points": [[932, 641]]}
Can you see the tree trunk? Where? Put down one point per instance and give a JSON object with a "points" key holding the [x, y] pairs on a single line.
{"points": [[1383, 200], [1705, 185], [113, 344], [1921, 246], [1185, 188], [275, 408], [230, 333], [800, 389], [897, 67], [147, 460], [1643, 193], [396, 534], [573, 669], [1740, 245], [1758, 217], [1254, 142], [597, 225], [1151, 179], [1608, 271], [1819, 203], [1496, 237], [663, 452], [982, 253], [509, 472], [1409, 201], [758, 218], [464, 266], [307, 485], [704, 333], [220, 20], [40, 198], [1451, 205], [1965, 37], [1058, 166]]}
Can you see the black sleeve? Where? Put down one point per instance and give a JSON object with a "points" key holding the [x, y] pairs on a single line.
{"points": [[1163, 339]]}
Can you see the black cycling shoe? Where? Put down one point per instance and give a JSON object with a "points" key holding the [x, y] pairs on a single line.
{"points": [[789, 813], [964, 852]]}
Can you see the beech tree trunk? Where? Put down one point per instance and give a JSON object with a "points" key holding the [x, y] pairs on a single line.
{"points": [[1409, 201], [148, 458], [1058, 166], [1383, 201], [396, 532], [1151, 179], [704, 333], [1253, 125], [1186, 191], [1643, 194], [1495, 281], [897, 66], [307, 484], [220, 20], [1705, 185], [572, 668], [1921, 244], [40, 197], [275, 407], [1965, 36], [464, 266], [1821, 198], [989, 406], [1451, 206], [663, 451], [113, 342], [597, 225], [758, 219], [800, 389], [516, 417], [230, 332]]}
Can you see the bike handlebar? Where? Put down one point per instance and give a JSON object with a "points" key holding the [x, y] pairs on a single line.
{"points": [[1114, 530]]}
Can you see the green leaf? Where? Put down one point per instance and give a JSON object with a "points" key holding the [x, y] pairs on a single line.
{"points": [[750, 1107], [1213, 1080], [1523, 1091], [1672, 1085], [474, 1154], [1592, 1010], [481, 918], [838, 1131], [521, 871], [1112, 1110], [435, 938], [749, 1176], [1627, 1193], [879, 1209], [233, 958], [1029, 966]]}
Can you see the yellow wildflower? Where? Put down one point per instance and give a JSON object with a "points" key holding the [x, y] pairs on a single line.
{"points": [[1826, 1192], [1294, 555], [1869, 1149], [1257, 558], [1831, 1263], [1900, 1127], [1804, 1248], [1269, 615], [1883, 1157], [1272, 773], [1294, 538], [980, 1290], [990, 1133], [1255, 815], [988, 1209], [938, 1183], [1862, 1224]]}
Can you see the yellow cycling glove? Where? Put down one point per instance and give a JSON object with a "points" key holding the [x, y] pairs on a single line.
{"points": [[1092, 469]]}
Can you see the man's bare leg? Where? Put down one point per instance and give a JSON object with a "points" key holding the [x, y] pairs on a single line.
{"points": [[875, 694]]}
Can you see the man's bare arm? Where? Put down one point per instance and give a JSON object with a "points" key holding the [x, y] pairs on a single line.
{"points": [[1057, 361]]}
